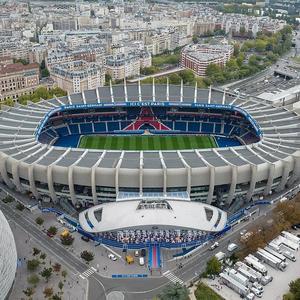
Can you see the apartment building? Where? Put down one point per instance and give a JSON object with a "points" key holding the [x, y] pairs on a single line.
{"points": [[199, 56], [77, 76], [18, 79]]}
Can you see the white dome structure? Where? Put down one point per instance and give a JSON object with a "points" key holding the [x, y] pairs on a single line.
{"points": [[8, 257]]}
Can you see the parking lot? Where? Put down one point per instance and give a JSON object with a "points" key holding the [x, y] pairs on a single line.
{"points": [[273, 290]]}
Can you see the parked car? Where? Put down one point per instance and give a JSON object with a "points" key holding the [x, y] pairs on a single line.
{"points": [[112, 256], [214, 246], [136, 253], [50, 234], [143, 252], [85, 238]]}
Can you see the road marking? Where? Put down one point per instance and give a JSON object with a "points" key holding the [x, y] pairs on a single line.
{"points": [[89, 272], [172, 277], [112, 251]]}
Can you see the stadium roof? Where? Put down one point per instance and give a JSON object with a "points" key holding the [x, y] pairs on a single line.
{"points": [[18, 126], [163, 214]]}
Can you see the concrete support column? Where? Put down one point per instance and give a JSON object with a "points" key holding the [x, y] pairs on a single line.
{"points": [[181, 91], [252, 182], [125, 90], [195, 93], [71, 185], [98, 96], [16, 178], [50, 184], [285, 175], [268, 187], [153, 89], [141, 173], [296, 168], [93, 183], [111, 92], [233, 184], [168, 93], [32, 182], [3, 171], [117, 173], [211, 185]]}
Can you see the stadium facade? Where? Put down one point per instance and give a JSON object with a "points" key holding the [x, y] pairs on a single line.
{"points": [[39, 153], [8, 261]]}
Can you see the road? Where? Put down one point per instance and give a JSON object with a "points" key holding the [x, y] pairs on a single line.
{"points": [[136, 289]]}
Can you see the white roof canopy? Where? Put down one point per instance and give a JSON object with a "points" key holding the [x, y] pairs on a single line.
{"points": [[163, 214]]}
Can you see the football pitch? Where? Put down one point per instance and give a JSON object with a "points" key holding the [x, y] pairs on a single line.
{"points": [[146, 142]]}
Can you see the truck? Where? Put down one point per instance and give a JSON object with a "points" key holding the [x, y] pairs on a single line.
{"points": [[238, 277], [280, 240], [232, 246], [255, 275], [243, 291], [220, 256], [254, 262], [274, 246], [291, 237], [247, 274], [275, 253], [288, 253], [270, 259]]}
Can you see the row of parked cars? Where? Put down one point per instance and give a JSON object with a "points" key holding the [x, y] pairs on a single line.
{"points": [[249, 277]]}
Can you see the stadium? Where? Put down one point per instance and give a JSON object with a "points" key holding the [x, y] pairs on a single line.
{"points": [[150, 160]]}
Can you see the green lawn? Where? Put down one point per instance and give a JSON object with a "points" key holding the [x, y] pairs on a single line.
{"points": [[203, 292], [146, 142]]}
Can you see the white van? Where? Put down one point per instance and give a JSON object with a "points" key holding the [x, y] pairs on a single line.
{"points": [[141, 261]]}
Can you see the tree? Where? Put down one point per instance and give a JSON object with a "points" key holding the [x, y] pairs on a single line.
{"points": [[35, 251], [56, 297], [187, 76], [52, 230], [67, 240], [195, 39], [48, 292], [39, 220], [33, 279], [20, 206], [43, 256], [29, 292], [46, 273], [295, 288], [213, 266], [87, 256], [33, 264], [60, 286], [64, 274], [56, 267], [174, 292]]}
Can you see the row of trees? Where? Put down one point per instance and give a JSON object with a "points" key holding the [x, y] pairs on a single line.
{"points": [[187, 76], [284, 216], [252, 57], [37, 95], [294, 291]]}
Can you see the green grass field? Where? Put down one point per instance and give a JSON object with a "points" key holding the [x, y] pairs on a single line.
{"points": [[146, 142]]}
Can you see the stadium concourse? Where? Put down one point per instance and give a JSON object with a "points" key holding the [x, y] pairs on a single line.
{"points": [[186, 147]]}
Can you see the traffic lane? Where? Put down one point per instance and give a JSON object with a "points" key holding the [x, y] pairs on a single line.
{"points": [[96, 289]]}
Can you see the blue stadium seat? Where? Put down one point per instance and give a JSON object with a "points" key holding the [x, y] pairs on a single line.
{"points": [[100, 127], [218, 128], [86, 128], [111, 126], [194, 126], [62, 131], [227, 129], [207, 127], [74, 128], [124, 124], [180, 126]]}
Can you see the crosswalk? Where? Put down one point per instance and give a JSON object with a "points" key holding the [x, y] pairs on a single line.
{"points": [[88, 273], [172, 277]]}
